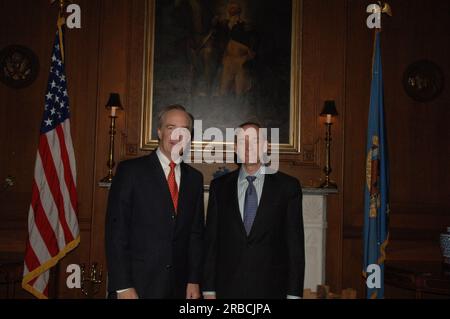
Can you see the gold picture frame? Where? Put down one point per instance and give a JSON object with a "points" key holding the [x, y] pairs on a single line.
{"points": [[291, 144]]}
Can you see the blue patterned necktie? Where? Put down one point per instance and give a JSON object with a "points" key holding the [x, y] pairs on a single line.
{"points": [[250, 204]]}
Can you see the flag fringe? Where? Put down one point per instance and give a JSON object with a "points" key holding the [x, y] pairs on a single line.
{"points": [[46, 266], [383, 246]]}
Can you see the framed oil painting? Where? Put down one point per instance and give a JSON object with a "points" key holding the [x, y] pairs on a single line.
{"points": [[227, 62]]}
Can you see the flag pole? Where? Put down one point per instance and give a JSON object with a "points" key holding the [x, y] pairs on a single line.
{"points": [[385, 8], [60, 23], [53, 229], [376, 202]]}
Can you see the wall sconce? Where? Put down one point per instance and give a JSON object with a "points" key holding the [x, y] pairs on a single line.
{"points": [[329, 110], [113, 105]]}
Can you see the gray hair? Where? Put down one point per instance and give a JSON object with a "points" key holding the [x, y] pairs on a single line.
{"points": [[172, 107]]}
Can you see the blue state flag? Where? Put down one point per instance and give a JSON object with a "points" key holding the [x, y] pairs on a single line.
{"points": [[376, 201]]}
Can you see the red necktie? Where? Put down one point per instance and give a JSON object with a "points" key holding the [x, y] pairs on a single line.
{"points": [[173, 188]]}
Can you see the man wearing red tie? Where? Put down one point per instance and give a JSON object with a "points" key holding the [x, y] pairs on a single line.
{"points": [[155, 220]]}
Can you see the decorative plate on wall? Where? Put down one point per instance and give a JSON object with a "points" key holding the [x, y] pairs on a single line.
{"points": [[423, 81], [19, 66]]}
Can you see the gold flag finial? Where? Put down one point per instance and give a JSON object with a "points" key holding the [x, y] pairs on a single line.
{"points": [[60, 23], [62, 4], [385, 8]]}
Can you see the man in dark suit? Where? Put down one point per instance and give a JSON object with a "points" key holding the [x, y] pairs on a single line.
{"points": [[254, 231], [154, 229]]}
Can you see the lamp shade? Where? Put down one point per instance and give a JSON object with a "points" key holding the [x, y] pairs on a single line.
{"points": [[114, 101], [329, 108]]}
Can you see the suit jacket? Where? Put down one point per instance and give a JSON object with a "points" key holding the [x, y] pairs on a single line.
{"points": [[148, 246], [270, 261]]}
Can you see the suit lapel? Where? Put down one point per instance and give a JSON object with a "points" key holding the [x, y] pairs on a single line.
{"points": [[266, 196], [183, 187], [161, 180], [234, 202]]}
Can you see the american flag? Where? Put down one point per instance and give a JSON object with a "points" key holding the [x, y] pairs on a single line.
{"points": [[52, 221]]}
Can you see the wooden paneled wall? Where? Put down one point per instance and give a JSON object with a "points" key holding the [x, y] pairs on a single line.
{"points": [[417, 132], [33, 24], [105, 56]]}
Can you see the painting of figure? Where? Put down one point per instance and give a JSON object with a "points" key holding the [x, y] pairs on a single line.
{"points": [[226, 61]]}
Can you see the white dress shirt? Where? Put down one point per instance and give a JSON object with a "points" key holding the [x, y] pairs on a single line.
{"points": [[242, 186], [166, 168]]}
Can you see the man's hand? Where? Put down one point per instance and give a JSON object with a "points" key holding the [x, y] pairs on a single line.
{"points": [[211, 297], [128, 294], [193, 291]]}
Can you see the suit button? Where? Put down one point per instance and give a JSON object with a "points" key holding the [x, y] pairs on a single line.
{"points": [[173, 216]]}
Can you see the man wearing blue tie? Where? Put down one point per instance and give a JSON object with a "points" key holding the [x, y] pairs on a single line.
{"points": [[254, 230]]}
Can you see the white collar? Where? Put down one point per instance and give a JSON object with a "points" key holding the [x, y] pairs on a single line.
{"points": [[258, 174], [164, 160]]}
